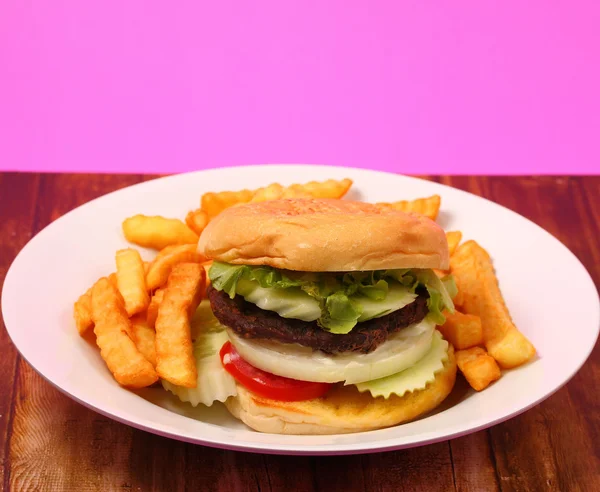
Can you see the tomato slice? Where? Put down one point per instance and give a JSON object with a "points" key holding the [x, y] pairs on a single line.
{"points": [[266, 384]]}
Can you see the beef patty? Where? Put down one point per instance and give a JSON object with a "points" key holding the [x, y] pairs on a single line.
{"points": [[249, 321]]}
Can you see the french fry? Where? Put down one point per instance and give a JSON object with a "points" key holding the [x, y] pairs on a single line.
{"points": [[82, 312], [152, 312], [459, 298], [144, 338], [174, 358], [82, 309], [478, 367], [113, 335], [131, 280], [453, 238], [157, 232], [197, 220], [161, 267], [207, 265], [474, 274], [112, 278], [463, 331], [330, 188], [214, 203], [272, 192], [429, 207]]}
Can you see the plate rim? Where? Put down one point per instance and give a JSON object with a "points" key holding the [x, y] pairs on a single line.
{"points": [[313, 450]]}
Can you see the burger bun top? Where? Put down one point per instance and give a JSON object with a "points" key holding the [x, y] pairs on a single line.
{"points": [[324, 235]]}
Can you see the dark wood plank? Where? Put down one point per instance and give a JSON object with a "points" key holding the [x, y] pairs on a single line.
{"points": [[340, 473], [292, 473], [158, 464], [225, 470], [423, 468], [473, 463], [17, 214]]}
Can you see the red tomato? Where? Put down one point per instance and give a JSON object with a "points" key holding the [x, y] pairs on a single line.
{"points": [[266, 384]]}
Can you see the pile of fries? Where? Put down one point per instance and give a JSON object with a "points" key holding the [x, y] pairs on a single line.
{"points": [[481, 329], [141, 313]]}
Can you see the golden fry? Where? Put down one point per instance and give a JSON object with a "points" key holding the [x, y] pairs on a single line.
{"points": [[462, 330], [113, 279], [478, 367], [272, 192], [474, 274], [152, 312], [197, 220], [207, 265], [82, 312], [214, 203], [330, 188], [157, 232], [161, 267], [458, 299], [454, 238], [144, 338], [429, 207], [113, 336], [131, 280], [174, 356]]}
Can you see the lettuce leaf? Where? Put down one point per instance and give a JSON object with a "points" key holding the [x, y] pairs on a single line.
{"points": [[415, 377], [341, 296], [450, 285], [439, 298], [225, 277]]}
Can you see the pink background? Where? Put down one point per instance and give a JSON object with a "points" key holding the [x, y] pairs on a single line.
{"points": [[409, 86]]}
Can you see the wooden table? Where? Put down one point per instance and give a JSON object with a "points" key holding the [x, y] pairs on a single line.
{"points": [[49, 442]]}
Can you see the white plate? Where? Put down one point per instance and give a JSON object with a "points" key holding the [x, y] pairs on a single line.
{"points": [[550, 295]]}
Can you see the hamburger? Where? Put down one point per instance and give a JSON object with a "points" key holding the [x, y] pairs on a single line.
{"points": [[330, 308]]}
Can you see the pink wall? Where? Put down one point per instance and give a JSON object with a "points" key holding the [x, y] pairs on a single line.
{"points": [[158, 86]]}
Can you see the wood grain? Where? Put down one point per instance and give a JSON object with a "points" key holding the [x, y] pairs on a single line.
{"points": [[17, 214], [49, 442]]}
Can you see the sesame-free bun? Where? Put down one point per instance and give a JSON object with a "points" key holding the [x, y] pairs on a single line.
{"points": [[324, 235], [343, 409]]}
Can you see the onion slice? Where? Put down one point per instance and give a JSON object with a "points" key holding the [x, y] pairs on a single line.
{"points": [[403, 349]]}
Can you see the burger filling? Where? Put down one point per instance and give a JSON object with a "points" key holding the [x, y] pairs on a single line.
{"points": [[316, 309], [350, 327], [247, 320]]}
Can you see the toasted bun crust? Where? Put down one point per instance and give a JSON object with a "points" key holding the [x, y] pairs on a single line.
{"points": [[324, 235], [343, 410]]}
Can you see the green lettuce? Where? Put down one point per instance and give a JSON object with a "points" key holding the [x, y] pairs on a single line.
{"points": [[225, 277], [439, 297], [342, 297]]}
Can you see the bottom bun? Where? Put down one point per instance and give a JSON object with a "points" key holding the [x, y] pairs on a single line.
{"points": [[343, 409]]}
